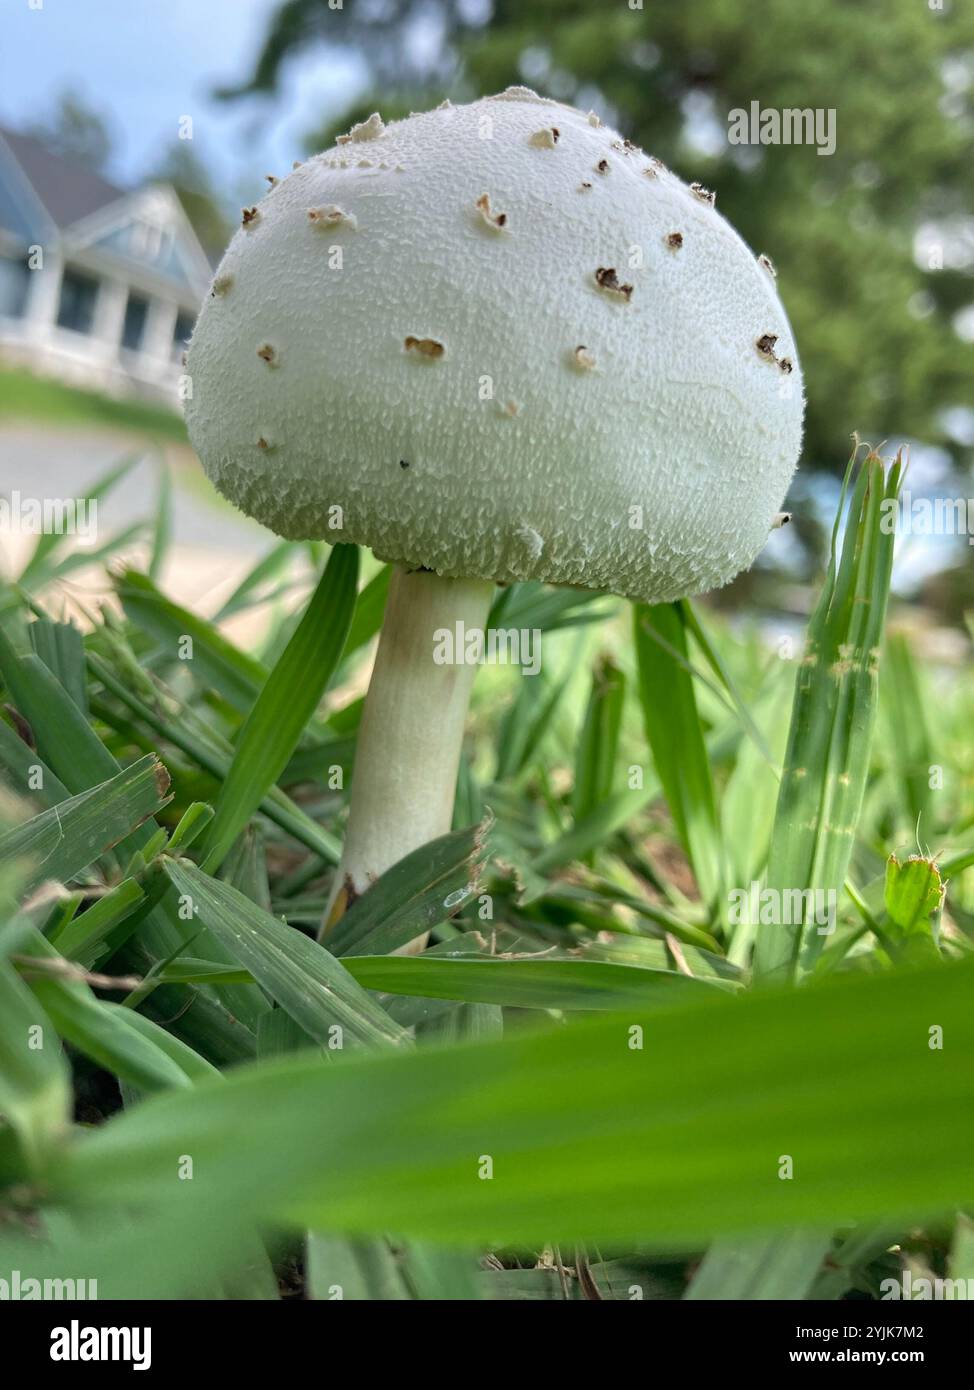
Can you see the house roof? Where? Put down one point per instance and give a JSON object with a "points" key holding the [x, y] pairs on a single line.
{"points": [[67, 190], [95, 217]]}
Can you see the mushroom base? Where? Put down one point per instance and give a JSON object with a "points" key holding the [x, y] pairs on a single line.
{"points": [[411, 733]]}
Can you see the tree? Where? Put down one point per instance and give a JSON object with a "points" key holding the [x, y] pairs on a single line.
{"points": [[77, 132], [875, 326], [183, 167]]}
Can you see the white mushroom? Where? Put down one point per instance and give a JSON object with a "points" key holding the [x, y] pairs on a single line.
{"points": [[656, 477]]}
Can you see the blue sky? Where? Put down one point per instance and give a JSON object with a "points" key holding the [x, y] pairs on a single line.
{"points": [[146, 63]]}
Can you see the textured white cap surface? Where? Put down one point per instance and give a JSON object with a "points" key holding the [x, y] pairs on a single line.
{"points": [[584, 377]]}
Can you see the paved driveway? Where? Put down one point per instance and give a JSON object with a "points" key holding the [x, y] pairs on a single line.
{"points": [[213, 546]]}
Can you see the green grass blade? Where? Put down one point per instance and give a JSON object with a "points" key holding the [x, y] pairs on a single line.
{"points": [[102, 1034], [598, 744], [276, 805], [305, 979], [590, 1137], [827, 759], [526, 722], [781, 1267], [354, 1270], [523, 984], [288, 700], [268, 567], [906, 736], [162, 526], [41, 564], [189, 1062], [369, 610], [80, 938], [35, 1089], [26, 771], [63, 841], [676, 738], [415, 895], [62, 734], [61, 648], [533, 605], [183, 636]]}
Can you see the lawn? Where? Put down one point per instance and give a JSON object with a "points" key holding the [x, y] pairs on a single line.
{"points": [[26, 397], [694, 1019]]}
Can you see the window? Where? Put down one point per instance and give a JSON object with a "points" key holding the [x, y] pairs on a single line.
{"points": [[182, 333], [145, 240], [133, 329], [77, 307], [13, 287]]}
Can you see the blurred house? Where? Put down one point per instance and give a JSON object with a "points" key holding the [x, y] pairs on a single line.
{"points": [[98, 286]]}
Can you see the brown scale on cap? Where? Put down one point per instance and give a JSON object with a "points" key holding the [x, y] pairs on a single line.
{"points": [[607, 279], [583, 358], [766, 347], [584, 187], [674, 240], [272, 179], [497, 220], [268, 354], [602, 167], [222, 284], [249, 216], [547, 138], [365, 130], [265, 445], [593, 119], [765, 263], [297, 164], [429, 348], [704, 194], [329, 217]]}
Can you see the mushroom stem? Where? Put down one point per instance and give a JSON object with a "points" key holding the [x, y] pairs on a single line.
{"points": [[411, 734]]}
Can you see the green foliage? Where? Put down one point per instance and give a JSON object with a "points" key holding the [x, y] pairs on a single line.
{"points": [[577, 1059]]}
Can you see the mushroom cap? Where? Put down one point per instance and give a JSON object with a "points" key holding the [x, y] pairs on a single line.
{"points": [[496, 341]]}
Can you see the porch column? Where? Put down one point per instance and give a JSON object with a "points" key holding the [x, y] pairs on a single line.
{"points": [[159, 330], [110, 315], [43, 294]]}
